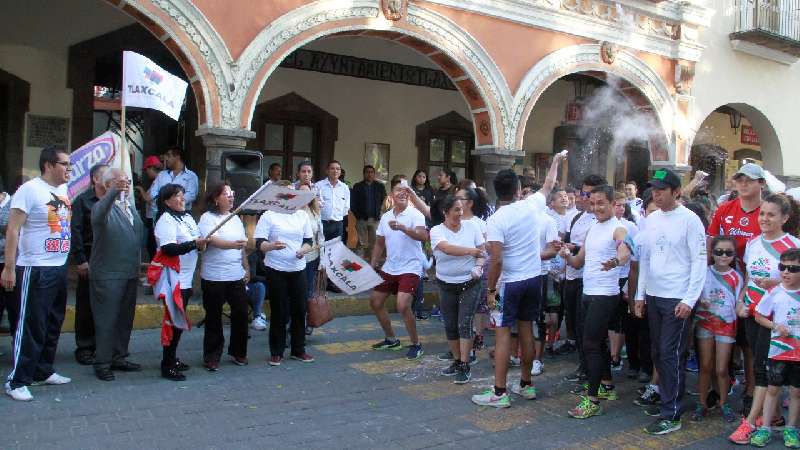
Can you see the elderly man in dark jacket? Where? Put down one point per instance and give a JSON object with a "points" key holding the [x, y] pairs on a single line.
{"points": [[113, 275]]}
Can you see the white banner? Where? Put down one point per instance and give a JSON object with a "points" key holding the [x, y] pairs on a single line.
{"points": [[346, 270], [276, 198], [146, 85]]}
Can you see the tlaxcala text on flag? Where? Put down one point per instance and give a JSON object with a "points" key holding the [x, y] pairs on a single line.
{"points": [[146, 85]]}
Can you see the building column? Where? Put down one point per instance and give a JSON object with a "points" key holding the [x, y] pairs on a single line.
{"points": [[217, 141], [494, 160]]}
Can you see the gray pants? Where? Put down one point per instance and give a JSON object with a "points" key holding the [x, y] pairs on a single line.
{"points": [[113, 308], [458, 302], [669, 338]]}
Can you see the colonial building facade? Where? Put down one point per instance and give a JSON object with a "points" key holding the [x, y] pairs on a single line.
{"points": [[470, 85]]}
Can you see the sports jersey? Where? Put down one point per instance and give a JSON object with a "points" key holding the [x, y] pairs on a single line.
{"points": [[761, 258], [731, 220], [716, 310], [784, 307]]}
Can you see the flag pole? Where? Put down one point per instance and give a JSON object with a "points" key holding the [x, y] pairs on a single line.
{"points": [[123, 131], [236, 211]]}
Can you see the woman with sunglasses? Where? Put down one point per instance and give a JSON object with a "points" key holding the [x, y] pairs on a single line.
{"points": [[224, 273], [715, 325], [778, 216]]}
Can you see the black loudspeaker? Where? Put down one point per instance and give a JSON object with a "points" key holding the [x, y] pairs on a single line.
{"points": [[242, 169]]}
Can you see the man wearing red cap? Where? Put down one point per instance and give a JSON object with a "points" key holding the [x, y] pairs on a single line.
{"points": [[152, 166]]}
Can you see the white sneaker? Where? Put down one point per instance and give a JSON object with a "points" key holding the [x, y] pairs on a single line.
{"points": [[21, 394], [514, 361], [54, 379], [259, 323], [488, 398], [538, 368]]}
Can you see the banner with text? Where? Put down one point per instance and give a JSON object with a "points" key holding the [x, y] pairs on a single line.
{"points": [[276, 198], [346, 270], [104, 149], [146, 85]]}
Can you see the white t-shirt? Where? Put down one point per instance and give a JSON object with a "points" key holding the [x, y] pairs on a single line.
{"points": [[563, 221], [633, 230], [222, 264], [548, 233], [290, 229], [784, 307], [402, 252], [44, 238], [455, 269], [516, 226], [480, 223], [169, 230], [600, 246], [761, 261], [577, 236]]}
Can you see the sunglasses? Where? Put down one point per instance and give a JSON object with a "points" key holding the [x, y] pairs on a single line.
{"points": [[585, 194], [720, 252], [791, 268]]}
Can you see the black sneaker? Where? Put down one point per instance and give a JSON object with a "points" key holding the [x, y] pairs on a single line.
{"points": [[414, 351], [652, 411], [452, 369], [566, 348], [387, 344], [181, 366], [172, 374], [648, 398], [463, 374], [663, 426], [575, 377], [446, 356]]}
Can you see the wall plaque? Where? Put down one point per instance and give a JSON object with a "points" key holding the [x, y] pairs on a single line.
{"points": [[44, 131]]}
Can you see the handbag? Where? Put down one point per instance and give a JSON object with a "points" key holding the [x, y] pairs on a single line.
{"points": [[319, 307]]}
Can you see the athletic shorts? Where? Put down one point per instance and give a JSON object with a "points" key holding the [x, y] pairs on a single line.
{"points": [[703, 333], [521, 301], [405, 282], [783, 373]]}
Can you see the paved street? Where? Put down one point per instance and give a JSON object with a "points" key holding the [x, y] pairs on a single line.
{"points": [[350, 397]]}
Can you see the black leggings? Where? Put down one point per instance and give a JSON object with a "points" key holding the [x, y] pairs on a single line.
{"points": [[758, 338], [599, 311], [169, 355], [287, 299], [571, 298], [458, 303], [215, 294]]}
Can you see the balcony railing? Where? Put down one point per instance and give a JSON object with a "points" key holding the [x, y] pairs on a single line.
{"points": [[772, 23]]}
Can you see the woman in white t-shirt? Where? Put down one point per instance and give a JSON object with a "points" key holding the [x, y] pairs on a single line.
{"points": [[458, 246], [285, 239], [223, 273], [177, 234]]}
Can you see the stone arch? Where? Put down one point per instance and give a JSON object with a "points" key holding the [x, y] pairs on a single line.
{"points": [[457, 53], [191, 40], [653, 94]]}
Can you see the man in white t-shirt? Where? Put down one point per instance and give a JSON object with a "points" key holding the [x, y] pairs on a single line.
{"points": [[513, 238], [38, 239], [401, 232]]}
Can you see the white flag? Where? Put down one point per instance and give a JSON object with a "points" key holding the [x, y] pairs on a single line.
{"points": [[280, 199], [146, 85], [348, 272]]}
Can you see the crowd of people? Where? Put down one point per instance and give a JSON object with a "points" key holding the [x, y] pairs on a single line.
{"points": [[668, 277]]}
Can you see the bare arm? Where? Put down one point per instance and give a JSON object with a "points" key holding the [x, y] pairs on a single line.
{"points": [[552, 174], [224, 244], [456, 250], [576, 261], [15, 221], [377, 251], [418, 203]]}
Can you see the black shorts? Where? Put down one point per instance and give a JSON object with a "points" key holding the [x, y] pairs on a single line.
{"points": [[783, 373]]}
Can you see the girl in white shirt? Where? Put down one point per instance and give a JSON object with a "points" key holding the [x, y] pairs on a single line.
{"points": [[285, 239], [177, 234], [223, 271]]}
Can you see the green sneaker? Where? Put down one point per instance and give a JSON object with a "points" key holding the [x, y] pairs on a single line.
{"points": [[663, 426], [488, 398], [606, 394], [387, 344], [527, 392], [791, 439], [585, 409], [761, 437]]}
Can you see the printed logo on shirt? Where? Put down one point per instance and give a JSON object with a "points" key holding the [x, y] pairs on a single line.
{"points": [[744, 221], [59, 211], [787, 348], [350, 266]]}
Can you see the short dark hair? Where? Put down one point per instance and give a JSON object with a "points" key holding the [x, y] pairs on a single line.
{"points": [[213, 193], [93, 171], [50, 155], [167, 192], [793, 254], [305, 162], [272, 166], [606, 190], [594, 180], [506, 183], [368, 166], [636, 185], [175, 151], [333, 161]]}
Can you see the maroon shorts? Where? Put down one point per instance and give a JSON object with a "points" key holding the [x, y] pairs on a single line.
{"points": [[405, 282]]}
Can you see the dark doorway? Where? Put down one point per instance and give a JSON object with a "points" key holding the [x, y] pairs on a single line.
{"points": [[446, 142], [14, 102]]}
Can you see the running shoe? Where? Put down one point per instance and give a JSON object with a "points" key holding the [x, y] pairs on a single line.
{"points": [[488, 398], [514, 361], [303, 357], [761, 437], [616, 366], [538, 368], [21, 393], [648, 398], [727, 413], [602, 392], [663, 426], [387, 344], [259, 323], [652, 411], [436, 312], [699, 413], [414, 351], [275, 360], [585, 409], [691, 363], [742, 434], [527, 392], [54, 379], [463, 374], [446, 356], [791, 438], [451, 370]]}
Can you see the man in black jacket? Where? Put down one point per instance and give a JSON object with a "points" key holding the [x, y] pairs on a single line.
{"points": [[366, 200], [80, 253]]}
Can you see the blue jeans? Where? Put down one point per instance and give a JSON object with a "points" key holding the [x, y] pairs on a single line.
{"points": [[256, 292], [312, 269]]}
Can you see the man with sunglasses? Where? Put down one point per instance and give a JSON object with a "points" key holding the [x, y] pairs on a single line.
{"points": [[38, 238]]}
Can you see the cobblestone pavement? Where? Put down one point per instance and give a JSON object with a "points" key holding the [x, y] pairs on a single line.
{"points": [[350, 397]]}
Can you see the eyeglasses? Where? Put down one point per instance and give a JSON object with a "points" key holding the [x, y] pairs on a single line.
{"points": [[720, 252], [66, 164], [585, 194], [790, 267]]}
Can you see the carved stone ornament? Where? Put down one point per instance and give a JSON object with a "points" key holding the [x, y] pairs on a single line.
{"points": [[394, 9], [608, 52]]}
